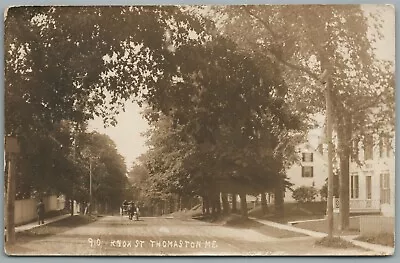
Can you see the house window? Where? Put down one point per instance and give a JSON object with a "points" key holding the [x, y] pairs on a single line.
{"points": [[385, 146], [354, 186], [307, 157], [368, 147], [368, 185], [307, 171], [385, 188]]}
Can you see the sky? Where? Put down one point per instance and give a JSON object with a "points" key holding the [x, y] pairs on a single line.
{"points": [[127, 133], [386, 46]]}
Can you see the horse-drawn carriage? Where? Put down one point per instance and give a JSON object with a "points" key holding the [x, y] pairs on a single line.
{"points": [[124, 208], [129, 208]]}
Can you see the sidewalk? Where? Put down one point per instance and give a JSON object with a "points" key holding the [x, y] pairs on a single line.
{"points": [[383, 250], [290, 228], [379, 249], [35, 224]]}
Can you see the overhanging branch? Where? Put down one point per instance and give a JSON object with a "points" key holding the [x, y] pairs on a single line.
{"points": [[276, 38]]}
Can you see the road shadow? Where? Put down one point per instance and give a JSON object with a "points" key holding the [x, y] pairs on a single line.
{"points": [[238, 222], [43, 231]]}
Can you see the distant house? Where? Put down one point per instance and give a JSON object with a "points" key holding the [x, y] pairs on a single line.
{"points": [[251, 200], [310, 170]]}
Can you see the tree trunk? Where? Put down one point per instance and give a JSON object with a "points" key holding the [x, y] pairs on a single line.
{"points": [[176, 204], [207, 205], [203, 205], [264, 206], [344, 208], [190, 201], [162, 207], [279, 209], [71, 203], [11, 189], [171, 204], [218, 203], [213, 207], [234, 203], [336, 185], [225, 203], [214, 203], [344, 143], [243, 205]]}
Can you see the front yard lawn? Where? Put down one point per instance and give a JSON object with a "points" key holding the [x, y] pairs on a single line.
{"points": [[292, 212], [238, 222], [335, 242], [322, 226], [384, 239]]}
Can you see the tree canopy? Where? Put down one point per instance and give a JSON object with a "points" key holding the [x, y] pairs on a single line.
{"points": [[227, 99], [309, 41], [59, 69]]}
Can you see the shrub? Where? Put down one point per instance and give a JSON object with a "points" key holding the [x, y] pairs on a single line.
{"points": [[324, 192], [305, 194]]}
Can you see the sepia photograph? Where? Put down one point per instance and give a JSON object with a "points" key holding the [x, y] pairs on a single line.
{"points": [[199, 130]]}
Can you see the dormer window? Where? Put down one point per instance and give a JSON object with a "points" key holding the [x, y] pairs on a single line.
{"points": [[307, 157]]}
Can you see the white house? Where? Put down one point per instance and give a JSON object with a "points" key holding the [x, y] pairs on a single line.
{"points": [[311, 170], [372, 178]]}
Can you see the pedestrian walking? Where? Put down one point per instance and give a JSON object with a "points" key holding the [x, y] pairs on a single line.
{"points": [[40, 211]]}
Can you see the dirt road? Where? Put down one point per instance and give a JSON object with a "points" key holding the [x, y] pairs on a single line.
{"points": [[115, 235]]}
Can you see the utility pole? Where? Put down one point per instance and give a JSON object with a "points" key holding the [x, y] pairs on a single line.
{"points": [[327, 81], [12, 149], [90, 185]]}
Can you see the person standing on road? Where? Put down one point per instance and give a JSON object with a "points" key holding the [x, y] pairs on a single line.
{"points": [[40, 211], [137, 212], [131, 209]]}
